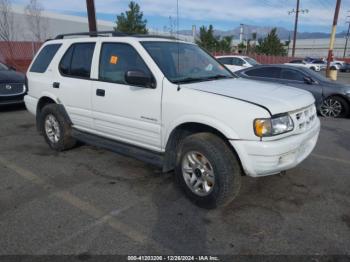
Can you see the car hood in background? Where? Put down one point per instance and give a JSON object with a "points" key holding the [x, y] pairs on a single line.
{"points": [[275, 97], [9, 76]]}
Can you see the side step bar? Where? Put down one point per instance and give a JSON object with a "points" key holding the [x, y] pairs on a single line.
{"points": [[148, 156]]}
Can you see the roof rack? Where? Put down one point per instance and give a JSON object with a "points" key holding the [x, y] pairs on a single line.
{"points": [[92, 34], [112, 33]]}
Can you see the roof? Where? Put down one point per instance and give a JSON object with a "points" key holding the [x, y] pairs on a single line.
{"points": [[238, 56], [112, 35]]}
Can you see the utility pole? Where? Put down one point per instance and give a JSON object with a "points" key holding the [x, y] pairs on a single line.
{"points": [[347, 38], [334, 30], [295, 27], [90, 6], [241, 32], [296, 11]]}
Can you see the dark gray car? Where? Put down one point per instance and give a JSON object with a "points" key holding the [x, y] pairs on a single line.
{"points": [[12, 86], [332, 98]]}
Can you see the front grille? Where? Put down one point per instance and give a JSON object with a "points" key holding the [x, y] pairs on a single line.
{"points": [[8, 89], [304, 119]]}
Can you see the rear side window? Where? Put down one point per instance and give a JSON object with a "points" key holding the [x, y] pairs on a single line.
{"points": [[44, 58], [116, 59], [225, 60], [267, 72], [76, 62]]}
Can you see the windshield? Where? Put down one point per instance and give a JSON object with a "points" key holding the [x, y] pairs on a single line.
{"points": [[3, 67], [185, 63], [251, 61]]}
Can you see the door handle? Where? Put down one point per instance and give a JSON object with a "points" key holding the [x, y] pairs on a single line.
{"points": [[100, 92], [56, 85]]}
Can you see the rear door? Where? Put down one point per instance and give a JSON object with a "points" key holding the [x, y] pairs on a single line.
{"points": [[74, 83], [237, 63]]}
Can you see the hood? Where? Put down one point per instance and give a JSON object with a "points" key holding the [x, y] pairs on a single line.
{"points": [[9, 76], [274, 97]]}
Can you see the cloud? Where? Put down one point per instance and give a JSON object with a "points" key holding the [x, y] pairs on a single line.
{"points": [[259, 11]]}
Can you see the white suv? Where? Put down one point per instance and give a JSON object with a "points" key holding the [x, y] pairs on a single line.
{"points": [[171, 104], [236, 62]]}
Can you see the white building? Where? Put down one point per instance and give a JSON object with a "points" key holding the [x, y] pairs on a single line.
{"points": [[318, 47]]}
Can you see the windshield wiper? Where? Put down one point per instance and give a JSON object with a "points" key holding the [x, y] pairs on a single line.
{"points": [[218, 77], [192, 79], [188, 80]]}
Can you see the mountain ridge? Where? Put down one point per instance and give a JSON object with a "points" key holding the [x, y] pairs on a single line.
{"points": [[262, 32]]}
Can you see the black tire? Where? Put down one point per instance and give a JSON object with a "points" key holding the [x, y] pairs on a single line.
{"points": [[225, 165], [65, 141], [345, 107]]}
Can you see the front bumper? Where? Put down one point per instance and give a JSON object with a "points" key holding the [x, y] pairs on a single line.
{"points": [[11, 100], [263, 158]]}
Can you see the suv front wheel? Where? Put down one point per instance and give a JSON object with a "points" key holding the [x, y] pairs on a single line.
{"points": [[56, 128], [207, 170]]}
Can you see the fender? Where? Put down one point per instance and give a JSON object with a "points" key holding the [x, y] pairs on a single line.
{"points": [[59, 105], [223, 128]]}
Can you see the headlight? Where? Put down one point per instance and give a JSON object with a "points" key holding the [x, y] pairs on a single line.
{"points": [[273, 126]]}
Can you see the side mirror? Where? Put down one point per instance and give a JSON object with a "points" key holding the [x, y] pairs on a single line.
{"points": [[139, 78], [308, 80], [12, 68]]}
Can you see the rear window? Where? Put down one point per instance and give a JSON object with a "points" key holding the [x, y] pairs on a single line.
{"points": [[76, 62], [44, 58]]}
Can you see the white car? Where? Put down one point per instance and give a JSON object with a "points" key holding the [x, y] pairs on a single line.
{"points": [[173, 105], [236, 63], [301, 63]]}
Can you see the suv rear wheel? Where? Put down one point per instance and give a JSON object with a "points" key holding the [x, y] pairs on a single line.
{"points": [[56, 129], [207, 170]]}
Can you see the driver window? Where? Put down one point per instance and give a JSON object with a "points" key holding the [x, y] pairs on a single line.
{"points": [[189, 62], [116, 59], [237, 61], [290, 74]]}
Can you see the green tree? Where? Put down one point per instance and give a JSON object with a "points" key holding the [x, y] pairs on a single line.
{"points": [[271, 45], [225, 44], [132, 21], [207, 40]]}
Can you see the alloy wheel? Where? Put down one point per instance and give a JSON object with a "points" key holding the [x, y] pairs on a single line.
{"points": [[198, 173], [331, 107], [52, 129]]}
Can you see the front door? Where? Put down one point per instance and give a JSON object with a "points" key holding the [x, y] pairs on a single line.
{"points": [[295, 78], [124, 112]]}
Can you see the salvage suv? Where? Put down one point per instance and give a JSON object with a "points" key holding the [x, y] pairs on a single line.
{"points": [[171, 104]]}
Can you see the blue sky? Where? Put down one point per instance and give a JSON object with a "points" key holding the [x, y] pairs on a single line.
{"points": [[223, 14]]}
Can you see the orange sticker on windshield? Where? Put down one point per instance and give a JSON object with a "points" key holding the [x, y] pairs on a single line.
{"points": [[113, 60]]}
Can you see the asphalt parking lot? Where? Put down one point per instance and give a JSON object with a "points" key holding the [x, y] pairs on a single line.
{"points": [[90, 201]]}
